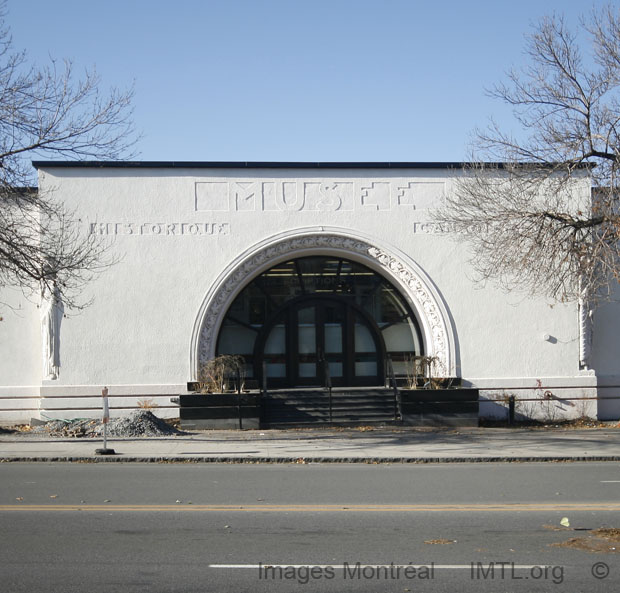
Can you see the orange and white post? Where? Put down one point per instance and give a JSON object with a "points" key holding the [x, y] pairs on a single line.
{"points": [[106, 416]]}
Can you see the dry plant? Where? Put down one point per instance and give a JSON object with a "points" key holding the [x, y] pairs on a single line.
{"points": [[420, 372], [147, 403], [548, 403], [583, 410], [524, 410], [213, 375]]}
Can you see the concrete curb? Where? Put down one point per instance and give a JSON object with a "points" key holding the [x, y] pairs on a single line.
{"points": [[119, 458]]}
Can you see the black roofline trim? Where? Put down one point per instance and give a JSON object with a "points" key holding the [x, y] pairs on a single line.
{"points": [[243, 165], [256, 165]]}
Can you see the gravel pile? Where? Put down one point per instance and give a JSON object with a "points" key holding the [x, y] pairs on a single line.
{"points": [[139, 423], [61, 428]]}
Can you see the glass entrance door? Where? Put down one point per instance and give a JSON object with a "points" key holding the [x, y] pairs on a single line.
{"points": [[308, 351], [336, 341], [312, 332], [321, 337]]}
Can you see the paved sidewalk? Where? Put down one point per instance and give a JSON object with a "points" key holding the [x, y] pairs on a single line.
{"points": [[381, 445]]}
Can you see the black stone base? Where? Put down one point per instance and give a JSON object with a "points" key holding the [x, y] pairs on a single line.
{"points": [[105, 451]]}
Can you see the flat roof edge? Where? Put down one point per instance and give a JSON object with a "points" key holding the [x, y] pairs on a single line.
{"points": [[261, 165], [246, 164]]}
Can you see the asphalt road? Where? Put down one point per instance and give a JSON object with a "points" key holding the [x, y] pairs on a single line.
{"points": [[198, 528]]}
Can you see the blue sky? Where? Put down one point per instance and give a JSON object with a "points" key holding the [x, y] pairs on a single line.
{"points": [[294, 80]]}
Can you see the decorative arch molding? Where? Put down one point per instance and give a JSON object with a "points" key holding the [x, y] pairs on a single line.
{"points": [[404, 273]]}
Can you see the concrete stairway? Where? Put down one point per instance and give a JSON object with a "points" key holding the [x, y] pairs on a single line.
{"points": [[307, 406]]}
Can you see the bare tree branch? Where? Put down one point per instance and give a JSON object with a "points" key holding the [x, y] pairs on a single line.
{"points": [[526, 226], [48, 112]]}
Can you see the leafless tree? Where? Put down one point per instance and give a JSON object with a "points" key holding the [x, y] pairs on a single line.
{"points": [[48, 113], [520, 205]]}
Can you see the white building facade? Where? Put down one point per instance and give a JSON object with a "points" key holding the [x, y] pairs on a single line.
{"points": [[286, 263]]}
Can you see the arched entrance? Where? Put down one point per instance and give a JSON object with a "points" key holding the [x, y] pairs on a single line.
{"points": [[410, 281], [303, 312]]}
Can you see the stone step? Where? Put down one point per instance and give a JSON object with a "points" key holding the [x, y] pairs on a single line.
{"points": [[335, 422], [336, 392], [343, 403], [350, 406], [325, 405], [335, 410]]}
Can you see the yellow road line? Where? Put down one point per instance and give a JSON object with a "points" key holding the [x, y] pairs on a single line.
{"points": [[317, 508]]}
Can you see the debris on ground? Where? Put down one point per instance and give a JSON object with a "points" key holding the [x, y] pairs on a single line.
{"points": [[139, 423], [65, 428], [605, 540], [556, 528], [575, 423]]}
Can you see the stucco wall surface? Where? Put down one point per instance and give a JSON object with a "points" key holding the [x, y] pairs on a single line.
{"points": [[176, 231], [20, 356]]}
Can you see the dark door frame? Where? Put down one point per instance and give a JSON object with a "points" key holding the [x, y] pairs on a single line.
{"points": [[288, 314]]}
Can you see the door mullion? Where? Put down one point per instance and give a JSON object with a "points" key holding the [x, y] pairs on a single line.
{"points": [[292, 347], [349, 346], [320, 340]]}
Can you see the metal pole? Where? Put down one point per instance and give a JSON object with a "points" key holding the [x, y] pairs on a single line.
{"points": [[511, 410], [239, 398], [392, 380], [105, 419], [328, 384]]}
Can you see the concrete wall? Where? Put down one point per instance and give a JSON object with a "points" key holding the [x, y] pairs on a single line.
{"points": [[604, 357], [176, 230], [20, 357]]}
